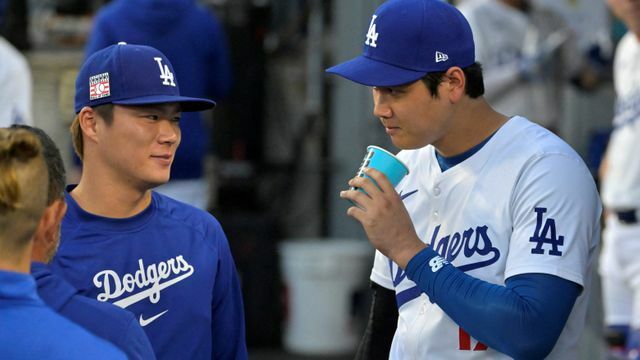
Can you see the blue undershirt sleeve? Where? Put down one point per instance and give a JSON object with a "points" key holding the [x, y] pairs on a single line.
{"points": [[522, 319]]}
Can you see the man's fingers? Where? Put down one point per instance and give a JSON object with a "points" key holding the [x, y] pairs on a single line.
{"points": [[356, 196], [381, 179], [356, 213], [365, 184]]}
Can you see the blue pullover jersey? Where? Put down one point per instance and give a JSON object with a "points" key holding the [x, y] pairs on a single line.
{"points": [[31, 330], [170, 265], [109, 322]]}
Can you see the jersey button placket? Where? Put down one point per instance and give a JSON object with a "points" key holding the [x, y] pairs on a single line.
{"points": [[423, 308], [435, 192]]}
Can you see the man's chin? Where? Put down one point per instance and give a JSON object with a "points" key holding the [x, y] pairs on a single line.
{"points": [[404, 145], [154, 183]]}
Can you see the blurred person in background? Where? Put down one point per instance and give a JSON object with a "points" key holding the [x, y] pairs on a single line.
{"points": [[590, 23], [15, 82], [528, 54], [620, 181], [105, 320], [194, 40], [29, 329]]}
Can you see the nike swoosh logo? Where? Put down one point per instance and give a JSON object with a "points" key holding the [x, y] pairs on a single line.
{"points": [[402, 197], [123, 303], [145, 322]]}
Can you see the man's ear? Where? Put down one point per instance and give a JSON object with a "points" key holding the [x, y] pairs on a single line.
{"points": [[455, 83], [47, 236], [87, 118], [59, 209]]}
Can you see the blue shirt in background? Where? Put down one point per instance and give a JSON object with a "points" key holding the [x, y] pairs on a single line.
{"points": [[31, 330]]}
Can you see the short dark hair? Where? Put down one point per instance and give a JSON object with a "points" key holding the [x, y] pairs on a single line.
{"points": [[474, 86], [53, 159], [105, 111]]}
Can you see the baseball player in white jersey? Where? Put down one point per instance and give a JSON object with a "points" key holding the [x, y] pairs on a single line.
{"points": [[620, 178], [15, 86], [484, 250], [527, 54]]}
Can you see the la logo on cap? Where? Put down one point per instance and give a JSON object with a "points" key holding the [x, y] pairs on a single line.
{"points": [[372, 35], [165, 74]]}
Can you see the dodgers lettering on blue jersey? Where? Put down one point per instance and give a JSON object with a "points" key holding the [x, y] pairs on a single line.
{"points": [[114, 286]]}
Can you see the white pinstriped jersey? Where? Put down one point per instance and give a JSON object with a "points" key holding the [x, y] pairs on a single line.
{"points": [[524, 203], [505, 39], [621, 186], [15, 87], [621, 190]]}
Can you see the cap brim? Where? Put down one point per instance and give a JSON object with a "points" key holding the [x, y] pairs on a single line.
{"points": [[187, 104], [366, 71]]}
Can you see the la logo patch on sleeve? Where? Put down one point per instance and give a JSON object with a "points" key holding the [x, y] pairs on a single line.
{"points": [[546, 234]]}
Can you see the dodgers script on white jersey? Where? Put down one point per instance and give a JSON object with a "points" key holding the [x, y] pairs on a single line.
{"points": [[493, 217]]}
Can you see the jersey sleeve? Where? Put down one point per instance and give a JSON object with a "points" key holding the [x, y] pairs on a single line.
{"points": [[555, 213], [227, 314], [381, 272], [137, 345]]}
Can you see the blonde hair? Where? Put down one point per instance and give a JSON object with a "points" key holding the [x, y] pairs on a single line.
{"points": [[24, 183]]}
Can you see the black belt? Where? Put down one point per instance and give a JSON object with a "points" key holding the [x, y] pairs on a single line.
{"points": [[627, 216]]}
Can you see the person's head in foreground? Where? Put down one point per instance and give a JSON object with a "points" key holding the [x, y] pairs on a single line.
{"points": [[47, 240], [23, 196]]}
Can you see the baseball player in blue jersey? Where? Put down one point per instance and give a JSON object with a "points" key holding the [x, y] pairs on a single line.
{"points": [[484, 250], [165, 261], [105, 320]]}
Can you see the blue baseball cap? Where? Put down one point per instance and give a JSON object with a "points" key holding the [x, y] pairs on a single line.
{"points": [[406, 40], [127, 74]]}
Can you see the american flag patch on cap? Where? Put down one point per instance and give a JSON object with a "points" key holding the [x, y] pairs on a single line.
{"points": [[99, 86]]}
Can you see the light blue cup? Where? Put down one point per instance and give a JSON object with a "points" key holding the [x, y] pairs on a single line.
{"points": [[385, 162]]}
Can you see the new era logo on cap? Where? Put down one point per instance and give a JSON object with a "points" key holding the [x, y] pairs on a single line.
{"points": [[441, 57], [126, 74]]}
